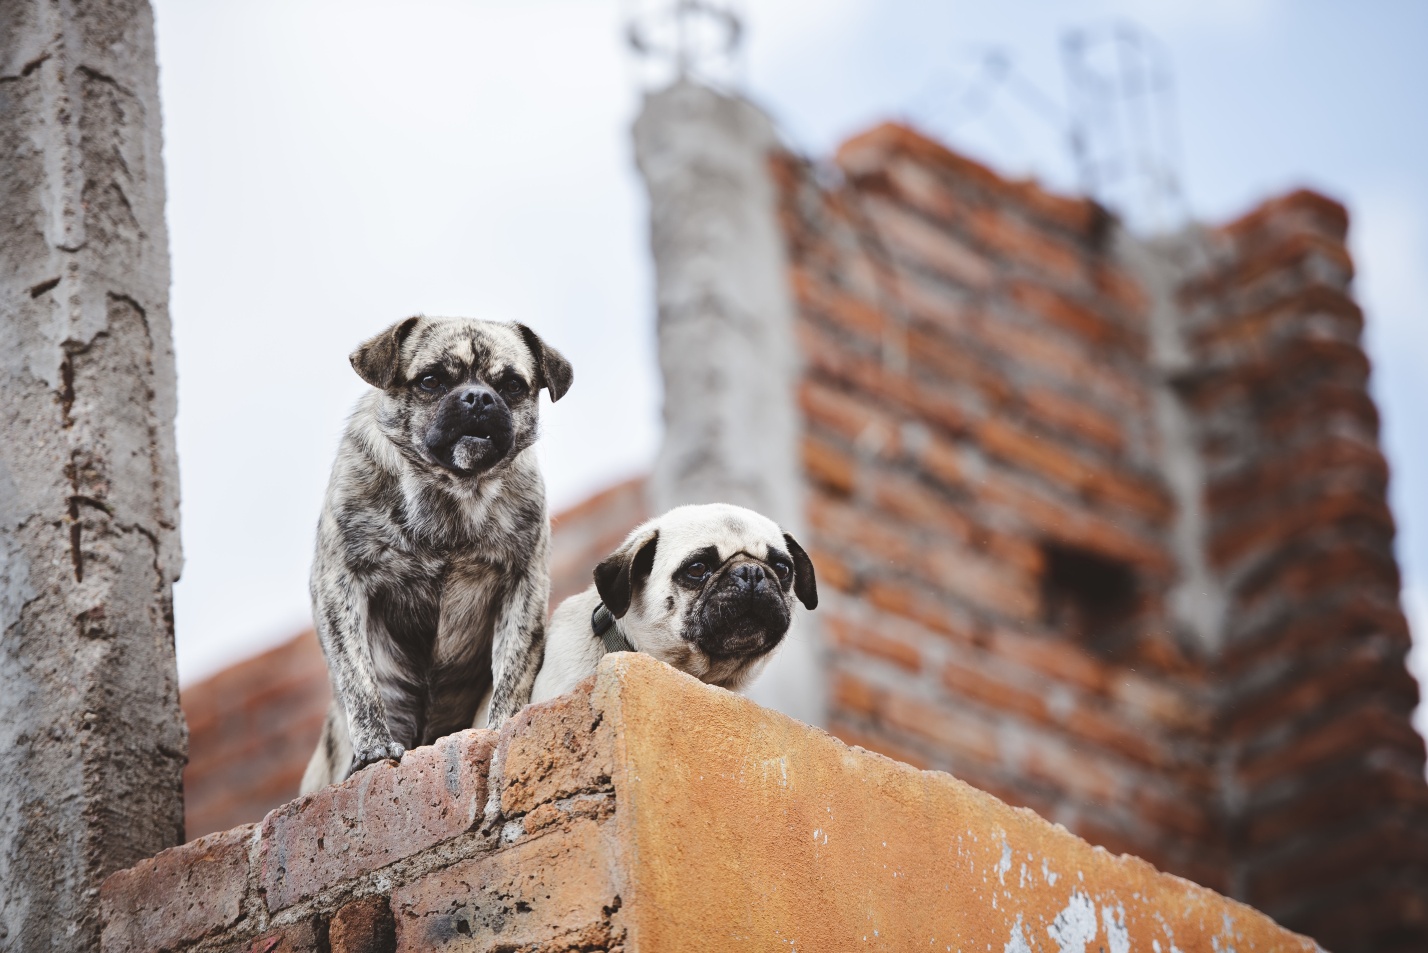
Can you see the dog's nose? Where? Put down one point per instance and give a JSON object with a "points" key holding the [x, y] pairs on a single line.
{"points": [[749, 575], [477, 398]]}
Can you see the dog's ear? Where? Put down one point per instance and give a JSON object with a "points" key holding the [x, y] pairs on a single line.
{"points": [[616, 576], [553, 371], [377, 360], [804, 585]]}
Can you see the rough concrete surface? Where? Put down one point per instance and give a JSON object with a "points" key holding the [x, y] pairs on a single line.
{"points": [[726, 343], [747, 830], [646, 811], [91, 739]]}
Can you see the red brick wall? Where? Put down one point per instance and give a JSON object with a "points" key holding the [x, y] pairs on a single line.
{"points": [[976, 401], [253, 726], [586, 533], [1331, 831], [987, 506]]}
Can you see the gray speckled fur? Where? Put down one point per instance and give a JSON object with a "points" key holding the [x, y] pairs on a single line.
{"points": [[429, 584]]}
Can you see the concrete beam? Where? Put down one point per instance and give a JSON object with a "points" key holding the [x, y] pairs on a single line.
{"points": [[726, 342], [92, 743]]}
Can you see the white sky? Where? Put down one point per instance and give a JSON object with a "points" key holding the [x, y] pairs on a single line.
{"points": [[333, 166]]}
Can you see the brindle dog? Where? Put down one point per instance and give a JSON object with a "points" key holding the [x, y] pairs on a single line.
{"points": [[431, 576]]}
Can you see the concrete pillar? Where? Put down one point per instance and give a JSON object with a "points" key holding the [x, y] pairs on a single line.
{"points": [[726, 344], [92, 742]]}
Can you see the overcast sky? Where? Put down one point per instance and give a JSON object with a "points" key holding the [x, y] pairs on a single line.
{"points": [[334, 166]]}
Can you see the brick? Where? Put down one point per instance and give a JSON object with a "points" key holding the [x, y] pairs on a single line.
{"points": [[1274, 475], [1293, 633], [1014, 239], [931, 401], [1299, 210], [1298, 313], [915, 603], [584, 534], [252, 728], [1308, 256], [1350, 736], [1390, 916], [1074, 770], [827, 466], [382, 814], [960, 735], [973, 681], [871, 151], [1077, 526], [877, 744], [848, 636], [552, 892], [845, 310], [1276, 527], [889, 547], [305, 936], [1086, 323], [1394, 841], [363, 926], [1377, 791], [850, 417], [1050, 459], [1021, 345], [917, 166], [1055, 658], [933, 355], [552, 750], [1315, 683], [833, 571], [1058, 411], [905, 234], [923, 506], [853, 694], [922, 188], [178, 896]]}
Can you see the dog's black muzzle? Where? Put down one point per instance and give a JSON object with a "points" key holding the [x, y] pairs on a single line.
{"points": [[744, 613], [473, 430]]}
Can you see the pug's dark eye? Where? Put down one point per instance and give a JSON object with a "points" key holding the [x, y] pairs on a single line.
{"points": [[783, 568], [695, 571], [430, 383], [513, 388]]}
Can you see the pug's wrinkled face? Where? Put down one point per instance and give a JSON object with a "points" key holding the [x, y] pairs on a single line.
{"points": [[460, 395], [709, 589]]}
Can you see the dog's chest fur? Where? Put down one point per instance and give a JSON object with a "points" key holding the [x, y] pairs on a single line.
{"points": [[434, 560]]}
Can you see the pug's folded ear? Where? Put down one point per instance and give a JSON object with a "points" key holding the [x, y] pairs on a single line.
{"points": [[619, 573], [553, 371], [804, 585], [378, 360]]}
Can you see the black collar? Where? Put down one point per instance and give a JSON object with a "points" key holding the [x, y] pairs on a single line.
{"points": [[608, 631]]}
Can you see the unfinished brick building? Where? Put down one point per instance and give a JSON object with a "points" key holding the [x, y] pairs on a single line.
{"points": [[1101, 524], [1108, 523]]}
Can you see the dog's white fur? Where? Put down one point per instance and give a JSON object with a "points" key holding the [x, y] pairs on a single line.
{"points": [[658, 607]]}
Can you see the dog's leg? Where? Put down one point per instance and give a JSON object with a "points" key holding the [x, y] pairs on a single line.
{"points": [[519, 642], [341, 605], [333, 755]]}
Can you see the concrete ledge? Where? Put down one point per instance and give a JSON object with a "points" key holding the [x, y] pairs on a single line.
{"points": [[647, 811]]}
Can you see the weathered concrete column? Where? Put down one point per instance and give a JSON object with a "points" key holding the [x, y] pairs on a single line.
{"points": [[92, 742], [726, 339]]}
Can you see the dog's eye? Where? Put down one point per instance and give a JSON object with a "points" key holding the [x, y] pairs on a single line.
{"points": [[430, 383], [514, 387], [695, 571], [783, 568]]}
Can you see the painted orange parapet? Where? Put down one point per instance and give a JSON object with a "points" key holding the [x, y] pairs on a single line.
{"points": [[649, 812], [748, 830]]}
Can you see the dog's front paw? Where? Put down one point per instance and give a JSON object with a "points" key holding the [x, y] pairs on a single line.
{"points": [[390, 751]]}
